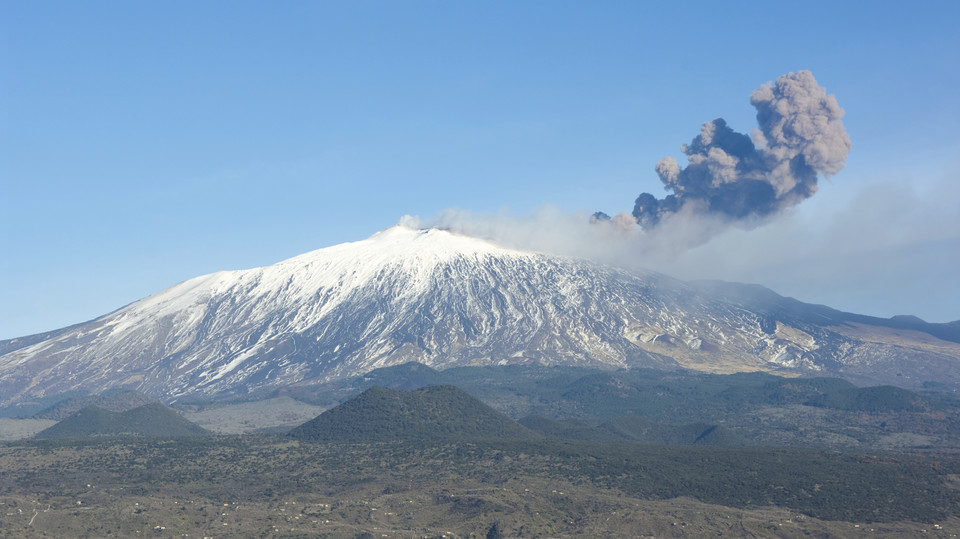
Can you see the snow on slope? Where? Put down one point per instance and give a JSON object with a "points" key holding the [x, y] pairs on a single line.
{"points": [[417, 295], [200, 331], [315, 283]]}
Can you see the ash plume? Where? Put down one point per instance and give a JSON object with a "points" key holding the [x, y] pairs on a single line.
{"points": [[731, 180], [742, 180]]}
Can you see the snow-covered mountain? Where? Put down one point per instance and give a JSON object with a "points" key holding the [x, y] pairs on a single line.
{"points": [[445, 299]]}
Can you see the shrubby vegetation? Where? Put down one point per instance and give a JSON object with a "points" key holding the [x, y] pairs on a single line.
{"points": [[588, 444], [258, 469]]}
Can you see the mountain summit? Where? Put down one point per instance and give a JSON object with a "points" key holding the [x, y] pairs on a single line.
{"points": [[444, 299]]}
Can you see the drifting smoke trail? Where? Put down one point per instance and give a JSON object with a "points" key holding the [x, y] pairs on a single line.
{"points": [[741, 180]]}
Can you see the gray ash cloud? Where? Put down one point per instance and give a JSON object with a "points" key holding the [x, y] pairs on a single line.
{"points": [[740, 179]]}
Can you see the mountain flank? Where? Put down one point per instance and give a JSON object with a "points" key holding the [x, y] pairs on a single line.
{"points": [[433, 413]]}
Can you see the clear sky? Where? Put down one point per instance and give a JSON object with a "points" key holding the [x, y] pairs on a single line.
{"points": [[145, 143]]}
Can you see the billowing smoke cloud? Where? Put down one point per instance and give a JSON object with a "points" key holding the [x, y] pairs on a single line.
{"points": [[731, 179], [741, 181]]}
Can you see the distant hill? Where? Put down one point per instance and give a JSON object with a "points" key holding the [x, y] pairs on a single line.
{"points": [[677, 397], [114, 401], [149, 421], [437, 413]]}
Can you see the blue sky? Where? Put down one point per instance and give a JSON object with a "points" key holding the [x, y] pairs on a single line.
{"points": [[144, 143]]}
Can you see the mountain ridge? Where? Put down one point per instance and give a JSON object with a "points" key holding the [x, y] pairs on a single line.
{"points": [[760, 297]]}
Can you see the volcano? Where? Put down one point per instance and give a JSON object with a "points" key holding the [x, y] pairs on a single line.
{"points": [[445, 299]]}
